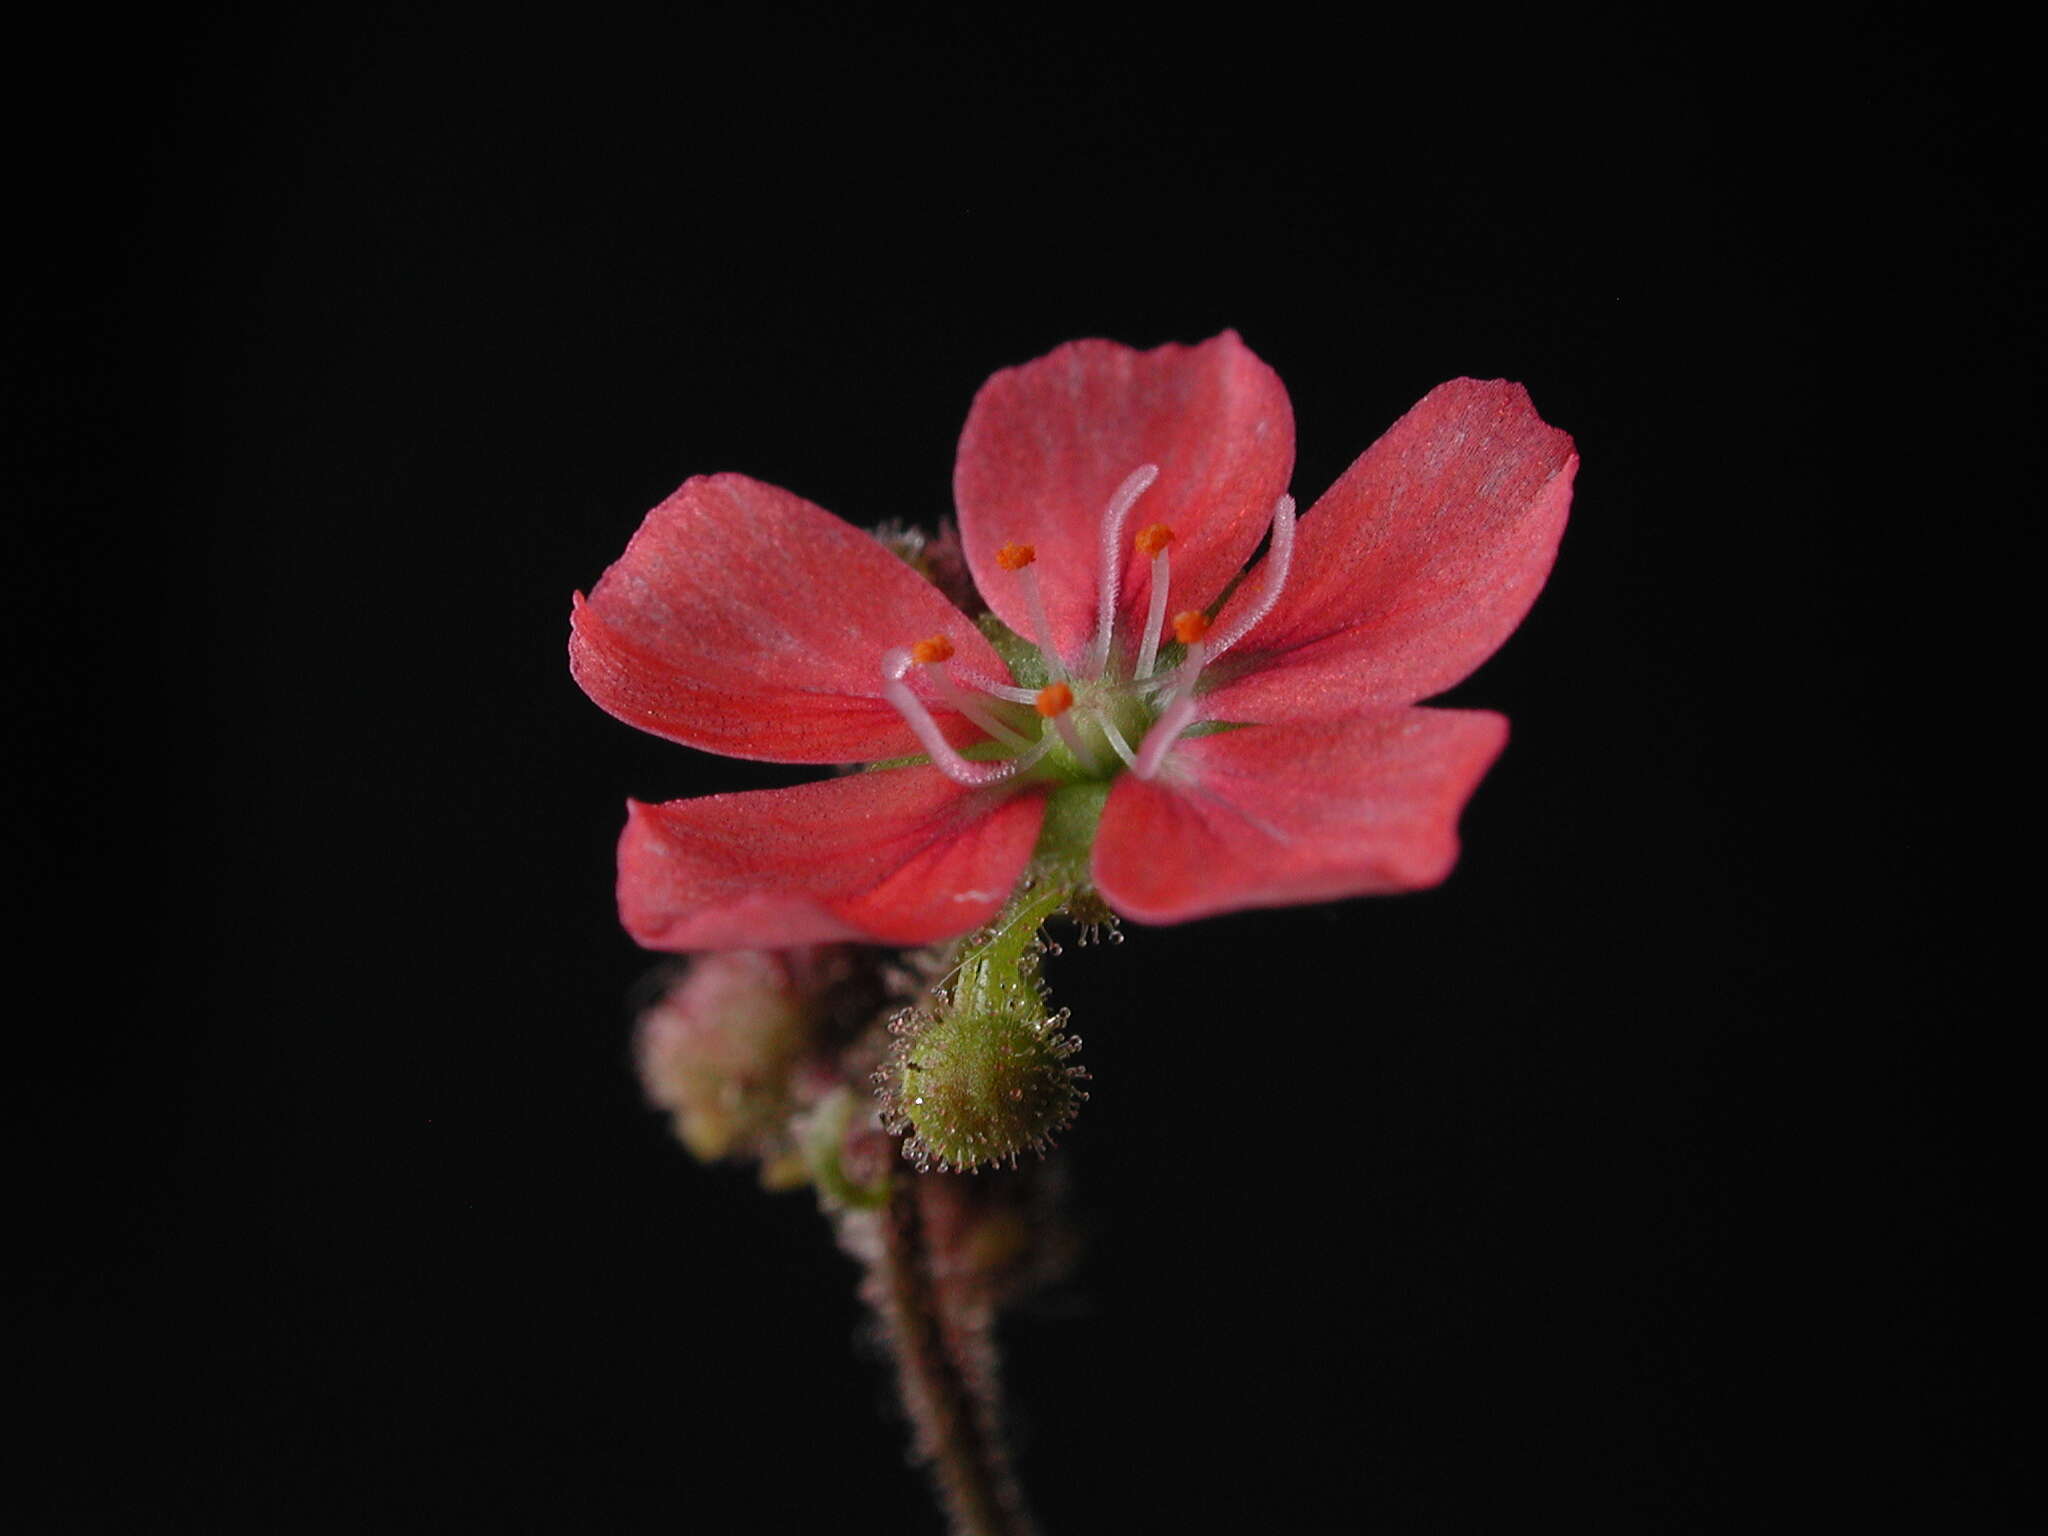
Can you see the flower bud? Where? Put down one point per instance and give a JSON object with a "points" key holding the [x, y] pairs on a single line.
{"points": [[939, 559], [721, 1048]]}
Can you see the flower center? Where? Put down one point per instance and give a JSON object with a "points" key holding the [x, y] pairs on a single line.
{"points": [[1080, 726]]}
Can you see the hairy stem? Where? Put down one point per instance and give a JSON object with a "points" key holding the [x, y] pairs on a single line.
{"points": [[945, 1370], [997, 955]]}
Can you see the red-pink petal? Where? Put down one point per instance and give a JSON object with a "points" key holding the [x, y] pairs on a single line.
{"points": [[1047, 444], [1274, 816], [1414, 567], [744, 620], [894, 856]]}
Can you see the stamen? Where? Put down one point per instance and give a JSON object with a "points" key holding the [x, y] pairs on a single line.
{"points": [[1279, 559], [1021, 558], [949, 762], [1107, 592], [932, 655], [1279, 556], [1180, 713], [1191, 629], [1008, 691], [1154, 542], [974, 710], [1055, 701]]}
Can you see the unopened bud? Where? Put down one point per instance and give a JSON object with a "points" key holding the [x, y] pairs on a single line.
{"points": [[719, 1050], [939, 559]]}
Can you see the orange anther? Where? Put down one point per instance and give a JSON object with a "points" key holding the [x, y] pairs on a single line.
{"points": [[929, 652], [1190, 626], [1014, 557], [1055, 699], [1151, 540]]}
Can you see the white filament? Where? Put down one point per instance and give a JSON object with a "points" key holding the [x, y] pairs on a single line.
{"points": [[1034, 601], [1177, 717], [972, 708], [1155, 614], [1008, 691], [949, 762]]}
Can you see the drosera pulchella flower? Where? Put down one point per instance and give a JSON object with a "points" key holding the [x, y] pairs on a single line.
{"points": [[1181, 730], [1135, 683]]}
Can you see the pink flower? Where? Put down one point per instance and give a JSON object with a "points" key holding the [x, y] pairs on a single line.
{"points": [[744, 620]]}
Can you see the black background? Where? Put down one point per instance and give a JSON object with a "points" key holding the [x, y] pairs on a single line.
{"points": [[1626, 1180]]}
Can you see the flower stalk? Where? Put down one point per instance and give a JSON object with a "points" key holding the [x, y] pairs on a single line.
{"points": [[991, 960], [939, 1334]]}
